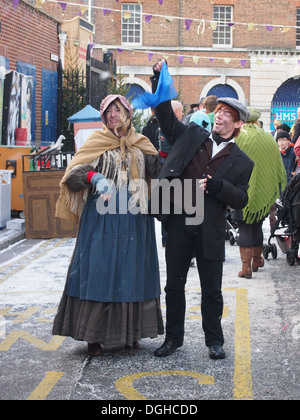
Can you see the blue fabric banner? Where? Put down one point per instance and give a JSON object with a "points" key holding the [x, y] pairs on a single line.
{"points": [[165, 92]]}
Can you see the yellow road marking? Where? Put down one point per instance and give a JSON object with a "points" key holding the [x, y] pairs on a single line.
{"points": [[125, 385], [242, 381], [46, 386], [53, 344]]}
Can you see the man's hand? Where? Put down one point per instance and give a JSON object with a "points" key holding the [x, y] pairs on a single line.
{"points": [[212, 186], [158, 66]]}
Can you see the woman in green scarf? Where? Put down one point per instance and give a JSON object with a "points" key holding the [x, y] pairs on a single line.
{"points": [[267, 181]]}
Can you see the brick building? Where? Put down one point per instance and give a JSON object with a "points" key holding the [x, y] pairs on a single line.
{"points": [[248, 50], [29, 45]]}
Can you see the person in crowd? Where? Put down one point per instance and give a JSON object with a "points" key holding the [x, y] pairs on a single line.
{"points": [[193, 108], [297, 153], [209, 104], [218, 167], [265, 185], [288, 156], [112, 293], [276, 124], [283, 127], [295, 130], [150, 130]]}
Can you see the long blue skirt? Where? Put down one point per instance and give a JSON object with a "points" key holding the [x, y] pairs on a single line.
{"points": [[112, 293], [115, 258]]}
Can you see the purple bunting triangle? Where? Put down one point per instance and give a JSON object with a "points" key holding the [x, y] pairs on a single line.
{"points": [[269, 28], [180, 58], [15, 3], [150, 56], [243, 62], [63, 5], [188, 23], [106, 12], [148, 18], [160, 2]]}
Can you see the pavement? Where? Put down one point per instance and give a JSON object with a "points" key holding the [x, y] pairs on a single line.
{"points": [[9, 237], [261, 323]]}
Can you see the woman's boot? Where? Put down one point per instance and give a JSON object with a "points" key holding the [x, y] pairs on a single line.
{"points": [[94, 349], [246, 257], [258, 261]]}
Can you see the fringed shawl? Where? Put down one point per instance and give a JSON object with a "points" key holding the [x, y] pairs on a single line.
{"points": [[268, 178], [70, 205]]}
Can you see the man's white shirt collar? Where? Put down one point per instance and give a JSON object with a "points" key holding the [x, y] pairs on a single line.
{"points": [[218, 147]]}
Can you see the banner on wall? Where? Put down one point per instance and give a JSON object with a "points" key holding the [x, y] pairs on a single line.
{"points": [[17, 106], [2, 76], [284, 113]]}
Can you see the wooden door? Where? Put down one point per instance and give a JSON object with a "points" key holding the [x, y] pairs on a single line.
{"points": [[41, 192]]}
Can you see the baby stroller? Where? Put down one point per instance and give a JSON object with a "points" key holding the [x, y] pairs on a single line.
{"points": [[287, 228], [232, 231]]}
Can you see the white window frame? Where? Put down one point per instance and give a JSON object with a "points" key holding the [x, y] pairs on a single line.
{"points": [[298, 30], [132, 24], [223, 15]]}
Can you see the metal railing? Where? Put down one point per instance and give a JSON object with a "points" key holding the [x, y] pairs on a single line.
{"points": [[47, 161]]}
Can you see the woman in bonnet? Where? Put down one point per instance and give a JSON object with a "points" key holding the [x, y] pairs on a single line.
{"points": [[112, 293]]}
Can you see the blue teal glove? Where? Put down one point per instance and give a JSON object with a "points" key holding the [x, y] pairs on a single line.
{"points": [[100, 183]]}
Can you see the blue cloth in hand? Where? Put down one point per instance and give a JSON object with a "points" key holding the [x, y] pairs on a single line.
{"points": [[165, 92], [101, 184]]}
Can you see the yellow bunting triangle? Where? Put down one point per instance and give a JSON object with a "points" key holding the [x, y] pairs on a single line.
{"points": [[127, 15], [83, 9], [196, 59], [213, 25], [39, 3], [251, 26]]}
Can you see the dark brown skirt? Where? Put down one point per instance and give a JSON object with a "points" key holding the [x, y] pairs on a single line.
{"points": [[110, 324]]}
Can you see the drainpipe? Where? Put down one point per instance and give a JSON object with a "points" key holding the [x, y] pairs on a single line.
{"points": [[62, 38]]}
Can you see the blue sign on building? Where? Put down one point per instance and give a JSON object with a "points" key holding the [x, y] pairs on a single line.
{"points": [[285, 113]]}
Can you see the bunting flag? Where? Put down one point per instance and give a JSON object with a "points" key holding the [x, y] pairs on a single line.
{"points": [[148, 18], [39, 3], [188, 23], [126, 15], [169, 19], [213, 24], [83, 9], [63, 5], [15, 4]]}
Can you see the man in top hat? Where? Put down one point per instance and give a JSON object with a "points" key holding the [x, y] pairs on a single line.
{"points": [[215, 164]]}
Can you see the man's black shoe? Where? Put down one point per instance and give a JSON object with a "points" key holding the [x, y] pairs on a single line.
{"points": [[167, 348], [216, 352]]}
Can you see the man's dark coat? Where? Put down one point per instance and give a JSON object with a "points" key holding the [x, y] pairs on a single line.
{"points": [[235, 171]]}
